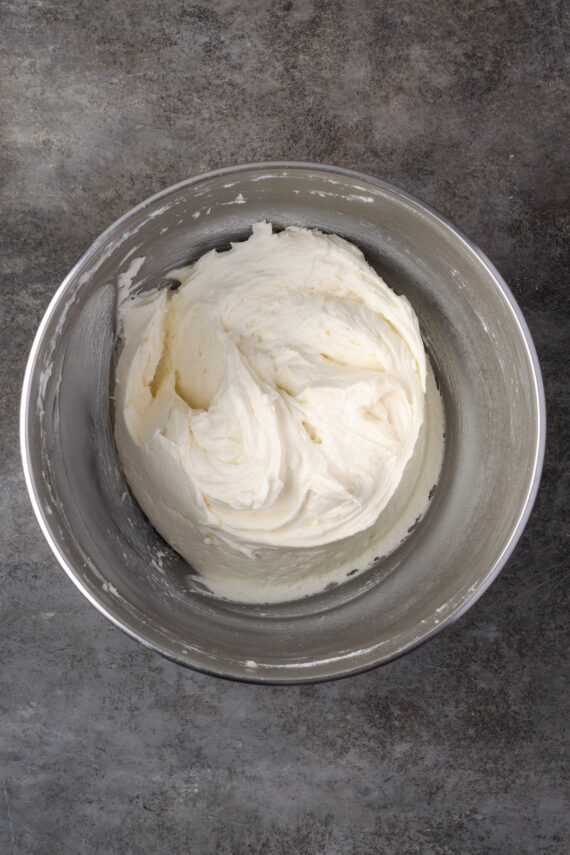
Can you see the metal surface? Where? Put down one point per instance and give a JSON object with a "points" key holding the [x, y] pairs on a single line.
{"points": [[490, 382]]}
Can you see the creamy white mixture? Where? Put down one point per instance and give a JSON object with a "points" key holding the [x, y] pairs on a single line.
{"points": [[272, 417]]}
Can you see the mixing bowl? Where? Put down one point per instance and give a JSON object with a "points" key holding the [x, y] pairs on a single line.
{"points": [[489, 379]]}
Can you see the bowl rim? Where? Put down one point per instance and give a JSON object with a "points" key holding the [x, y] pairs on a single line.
{"points": [[335, 673]]}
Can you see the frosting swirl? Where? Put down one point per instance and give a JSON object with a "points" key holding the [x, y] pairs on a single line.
{"points": [[274, 398]]}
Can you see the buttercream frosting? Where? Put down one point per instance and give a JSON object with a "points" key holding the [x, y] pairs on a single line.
{"points": [[268, 408]]}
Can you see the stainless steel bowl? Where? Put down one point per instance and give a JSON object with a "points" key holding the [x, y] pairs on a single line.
{"points": [[490, 381]]}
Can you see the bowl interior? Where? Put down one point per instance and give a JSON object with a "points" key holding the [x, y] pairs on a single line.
{"points": [[485, 366]]}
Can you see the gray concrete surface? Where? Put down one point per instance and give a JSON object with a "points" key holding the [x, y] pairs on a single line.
{"points": [[460, 747]]}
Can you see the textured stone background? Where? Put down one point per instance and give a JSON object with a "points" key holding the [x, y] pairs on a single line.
{"points": [[457, 748]]}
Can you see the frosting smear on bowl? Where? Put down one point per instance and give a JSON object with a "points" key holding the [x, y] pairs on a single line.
{"points": [[268, 409]]}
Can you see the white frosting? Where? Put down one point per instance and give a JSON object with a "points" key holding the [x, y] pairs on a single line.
{"points": [[268, 408]]}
